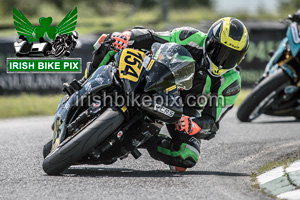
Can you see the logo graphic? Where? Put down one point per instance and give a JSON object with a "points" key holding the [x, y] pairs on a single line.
{"points": [[42, 41], [19, 65], [32, 34], [56, 41]]}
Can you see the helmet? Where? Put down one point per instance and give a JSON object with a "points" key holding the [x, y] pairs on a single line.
{"points": [[225, 46]]}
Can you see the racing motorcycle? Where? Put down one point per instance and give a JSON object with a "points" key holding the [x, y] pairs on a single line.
{"points": [[277, 91], [87, 130]]}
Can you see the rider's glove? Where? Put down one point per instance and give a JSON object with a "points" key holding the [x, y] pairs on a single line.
{"points": [[121, 41], [186, 125]]}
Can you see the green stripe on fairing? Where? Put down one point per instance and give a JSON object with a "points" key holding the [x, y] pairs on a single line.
{"points": [[229, 78], [183, 152], [185, 58]]}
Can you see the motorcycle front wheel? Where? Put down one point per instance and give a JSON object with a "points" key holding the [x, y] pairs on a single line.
{"points": [[254, 104], [47, 148], [83, 142]]}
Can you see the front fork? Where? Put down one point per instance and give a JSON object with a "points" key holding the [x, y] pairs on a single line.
{"points": [[294, 88], [289, 90]]}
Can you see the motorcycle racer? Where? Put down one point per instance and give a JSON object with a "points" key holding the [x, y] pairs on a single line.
{"points": [[217, 55]]}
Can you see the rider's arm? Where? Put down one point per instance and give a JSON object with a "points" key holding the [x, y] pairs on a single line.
{"points": [[101, 55], [141, 38], [192, 39], [222, 98]]}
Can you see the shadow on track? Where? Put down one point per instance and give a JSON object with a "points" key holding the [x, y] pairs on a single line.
{"points": [[119, 172]]}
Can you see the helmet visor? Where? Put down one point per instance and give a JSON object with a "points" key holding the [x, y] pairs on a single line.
{"points": [[223, 56]]}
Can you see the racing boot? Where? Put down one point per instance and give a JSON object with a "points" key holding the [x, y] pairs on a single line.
{"points": [[186, 129], [190, 152], [177, 169], [180, 152]]}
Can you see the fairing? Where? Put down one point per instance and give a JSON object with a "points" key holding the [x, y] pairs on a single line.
{"points": [[172, 68], [292, 40], [102, 78], [272, 64], [293, 35]]}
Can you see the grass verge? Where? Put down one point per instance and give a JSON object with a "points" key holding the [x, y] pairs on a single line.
{"points": [[285, 162], [33, 104], [243, 94], [28, 105], [120, 17]]}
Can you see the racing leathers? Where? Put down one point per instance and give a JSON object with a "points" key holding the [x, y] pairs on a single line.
{"points": [[205, 103]]}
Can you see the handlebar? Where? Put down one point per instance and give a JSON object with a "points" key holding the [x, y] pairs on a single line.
{"points": [[292, 18]]}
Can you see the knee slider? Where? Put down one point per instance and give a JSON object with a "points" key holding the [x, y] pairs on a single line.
{"points": [[189, 162]]}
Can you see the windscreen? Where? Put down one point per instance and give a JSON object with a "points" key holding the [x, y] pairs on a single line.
{"points": [[178, 60]]}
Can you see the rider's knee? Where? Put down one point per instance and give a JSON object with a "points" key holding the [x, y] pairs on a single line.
{"points": [[188, 155]]}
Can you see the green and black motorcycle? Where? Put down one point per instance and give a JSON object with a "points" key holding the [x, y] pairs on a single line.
{"points": [[89, 130]]}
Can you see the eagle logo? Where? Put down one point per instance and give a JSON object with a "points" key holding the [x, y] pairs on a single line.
{"points": [[45, 30]]}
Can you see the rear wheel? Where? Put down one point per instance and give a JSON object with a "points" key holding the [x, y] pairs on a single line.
{"points": [[81, 144], [261, 96]]}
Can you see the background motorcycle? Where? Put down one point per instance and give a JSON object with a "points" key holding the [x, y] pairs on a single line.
{"points": [[96, 133], [277, 91]]}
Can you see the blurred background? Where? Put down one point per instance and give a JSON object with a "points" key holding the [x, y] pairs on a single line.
{"points": [[103, 16]]}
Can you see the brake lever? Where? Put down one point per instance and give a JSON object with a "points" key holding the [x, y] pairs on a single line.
{"points": [[108, 42], [286, 20]]}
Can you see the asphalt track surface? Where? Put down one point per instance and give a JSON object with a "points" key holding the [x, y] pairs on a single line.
{"points": [[222, 172]]}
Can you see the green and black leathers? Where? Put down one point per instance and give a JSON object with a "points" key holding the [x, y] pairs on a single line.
{"points": [[218, 95]]}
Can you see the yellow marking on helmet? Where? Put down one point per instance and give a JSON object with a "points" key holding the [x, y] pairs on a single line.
{"points": [[244, 38], [171, 88], [225, 30], [217, 71], [228, 41]]}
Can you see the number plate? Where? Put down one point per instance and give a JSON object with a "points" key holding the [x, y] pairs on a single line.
{"points": [[130, 65]]}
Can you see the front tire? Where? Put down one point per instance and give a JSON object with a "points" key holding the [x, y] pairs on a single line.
{"points": [[81, 144], [259, 93], [47, 148]]}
